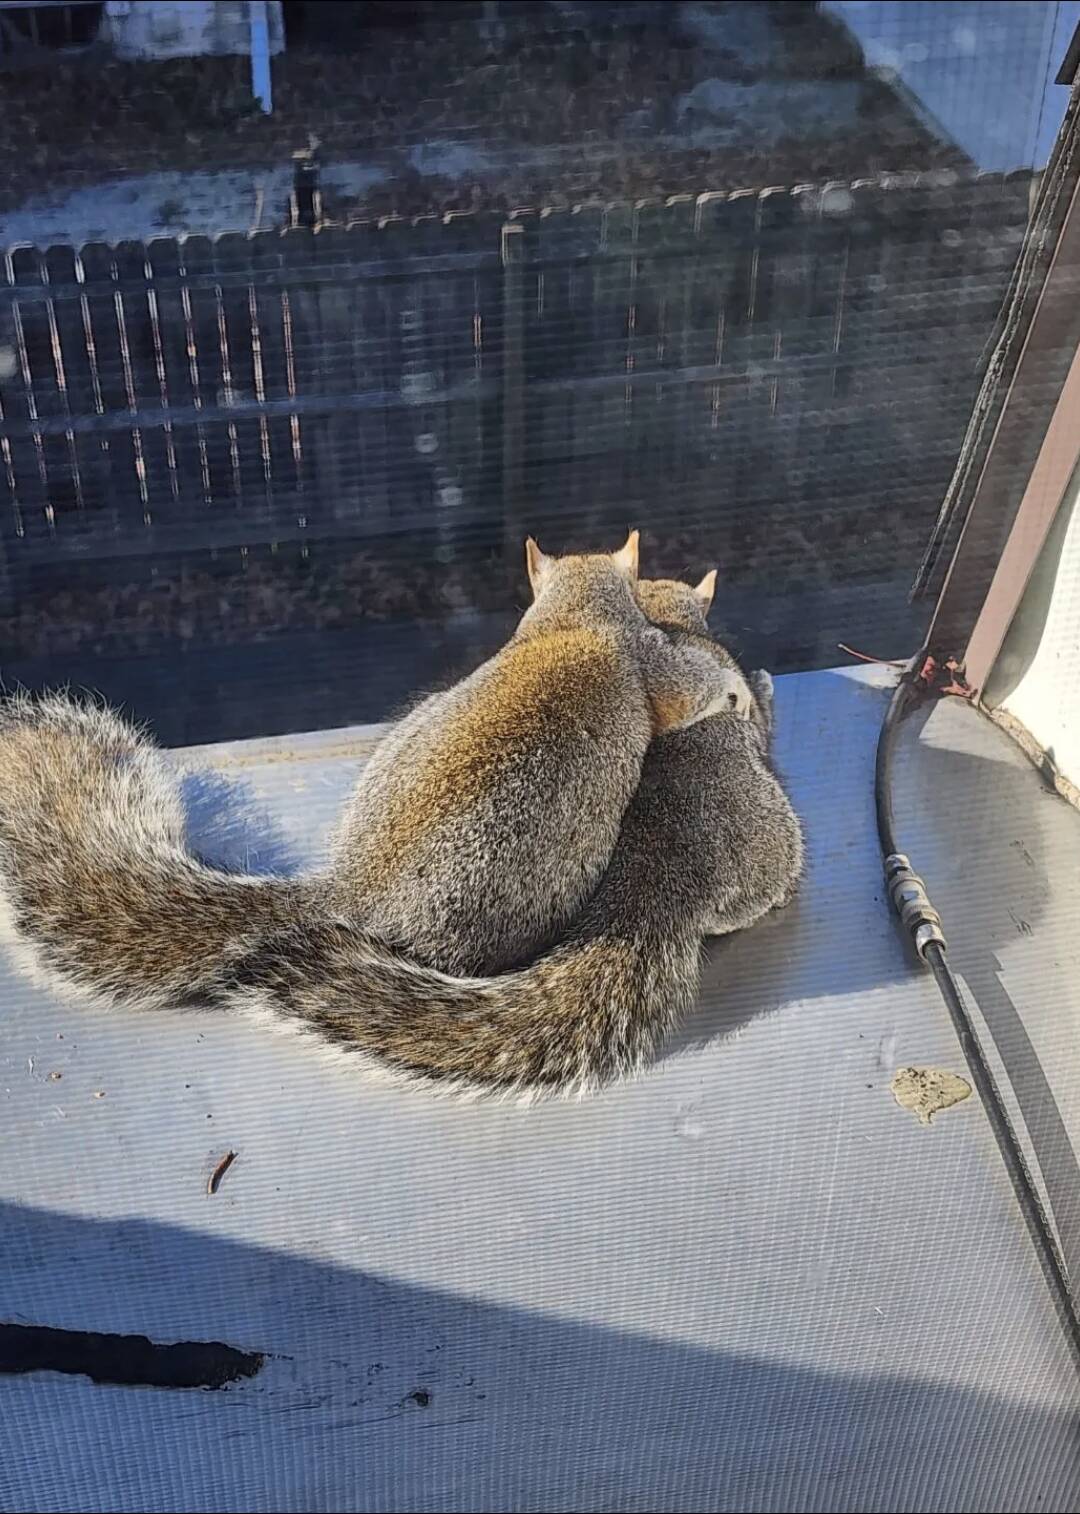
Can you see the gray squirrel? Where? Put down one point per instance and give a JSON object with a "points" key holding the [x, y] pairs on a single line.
{"points": [[485, 820], [100, 896]]}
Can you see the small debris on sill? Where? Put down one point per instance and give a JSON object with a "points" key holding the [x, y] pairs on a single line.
{"points": [[214, 1181], [926, 1091]]}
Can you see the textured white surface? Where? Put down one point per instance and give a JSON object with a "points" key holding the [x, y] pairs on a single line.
{"points": [[1047, 698], [747, 1281]]}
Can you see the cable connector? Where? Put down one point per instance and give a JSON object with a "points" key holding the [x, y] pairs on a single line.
{"points": [[912, 903]]}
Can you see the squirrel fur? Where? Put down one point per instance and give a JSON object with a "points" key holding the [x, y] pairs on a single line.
{"points": [[101, 896], [483, 824]]}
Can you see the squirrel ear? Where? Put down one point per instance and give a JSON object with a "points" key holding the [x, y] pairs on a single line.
{"points": [[704, 591], [538, 564], [626, 557]]}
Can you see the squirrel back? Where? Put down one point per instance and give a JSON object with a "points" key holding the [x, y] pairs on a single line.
{"points": [[480, 832]]}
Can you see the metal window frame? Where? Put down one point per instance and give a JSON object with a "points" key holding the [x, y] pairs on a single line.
{"points": [[1023, 443], [1055, 466]]}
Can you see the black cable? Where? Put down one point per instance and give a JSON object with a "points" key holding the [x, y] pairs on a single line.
{"points": [[912, 904], [903, 697]]}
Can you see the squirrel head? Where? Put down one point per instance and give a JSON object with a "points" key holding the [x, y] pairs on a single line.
{"points": [[544, 570], [667, 601]]}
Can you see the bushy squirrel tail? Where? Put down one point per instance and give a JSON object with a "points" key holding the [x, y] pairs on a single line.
{"points": [[592, 1010], [100, 896], [99, 892]]}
